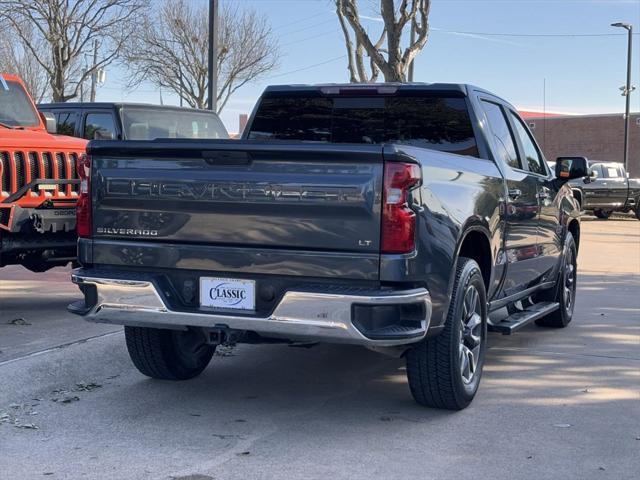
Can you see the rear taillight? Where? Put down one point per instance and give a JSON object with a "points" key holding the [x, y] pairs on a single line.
{"points": [[83, 207], [398, 220]]}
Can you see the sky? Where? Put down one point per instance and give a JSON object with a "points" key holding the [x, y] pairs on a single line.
{"points": [[510, 47]]}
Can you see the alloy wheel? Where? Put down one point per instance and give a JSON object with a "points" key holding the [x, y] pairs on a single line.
{"points": [[470, 334], [569, 280]]}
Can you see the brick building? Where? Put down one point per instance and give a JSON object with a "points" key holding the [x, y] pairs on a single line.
{"points": [[597, 137]]}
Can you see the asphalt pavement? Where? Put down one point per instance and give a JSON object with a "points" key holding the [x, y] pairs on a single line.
{"points": [[553, 404]]}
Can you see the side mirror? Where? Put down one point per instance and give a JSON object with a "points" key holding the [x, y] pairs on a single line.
{"points": [[591, 177], [49, 120], [568, 168]]}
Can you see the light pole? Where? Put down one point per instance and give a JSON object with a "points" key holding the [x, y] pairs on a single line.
{"points": [[213, 55], [627, 89]]}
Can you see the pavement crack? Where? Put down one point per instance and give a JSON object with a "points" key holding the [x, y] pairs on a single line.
{"points": [[562, 354], [60, 347]]}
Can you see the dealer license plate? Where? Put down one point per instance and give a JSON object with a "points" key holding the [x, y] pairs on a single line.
{"points": [[227, 293]]}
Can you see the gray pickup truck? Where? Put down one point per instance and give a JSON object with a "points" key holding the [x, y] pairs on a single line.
{"points": [[608, 189], [397, 217]]}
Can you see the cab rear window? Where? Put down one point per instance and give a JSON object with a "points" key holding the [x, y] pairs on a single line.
{"points": [[436, 122]]}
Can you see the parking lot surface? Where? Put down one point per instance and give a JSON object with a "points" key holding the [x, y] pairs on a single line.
{"points": [[552, 403]]}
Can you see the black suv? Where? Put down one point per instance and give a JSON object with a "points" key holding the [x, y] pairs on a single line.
{"points": [[131, 121]]}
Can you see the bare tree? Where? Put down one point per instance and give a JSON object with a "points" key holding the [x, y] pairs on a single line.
{"points": [[68, 28], [386, 54], [170, 50], [16, 58]]}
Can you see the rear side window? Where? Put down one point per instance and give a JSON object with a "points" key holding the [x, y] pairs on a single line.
{"points": [[436, 122], [611, 172], [503, 138], [99, 126], [66, 123], [148, 123], [531, 153]]}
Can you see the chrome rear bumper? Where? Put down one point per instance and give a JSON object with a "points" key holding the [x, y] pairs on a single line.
{"points": [[299, 315]]}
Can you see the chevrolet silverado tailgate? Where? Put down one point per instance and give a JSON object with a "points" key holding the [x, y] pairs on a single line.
{"points": [[238, 194]]}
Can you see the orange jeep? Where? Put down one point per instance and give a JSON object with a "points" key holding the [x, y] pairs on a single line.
{"points": [[38, 183]]}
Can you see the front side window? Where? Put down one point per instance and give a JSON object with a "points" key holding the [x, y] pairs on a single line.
{"points": [[16, 109], [99, 126], [531, 153], [503, 139], [66, 123], [597, 167], [431, 121]]}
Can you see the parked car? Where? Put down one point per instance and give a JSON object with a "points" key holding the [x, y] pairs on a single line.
{"points": [[397, 217], [131, 121], [38, 183], [608, 189]]}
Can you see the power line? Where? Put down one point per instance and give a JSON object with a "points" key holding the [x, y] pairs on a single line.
{"points": [[308, 67], [494, 34], [328, 32], [297, 22], [331, 20]]}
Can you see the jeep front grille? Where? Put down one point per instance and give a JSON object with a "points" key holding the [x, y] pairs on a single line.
{"points": [[18, 168]]}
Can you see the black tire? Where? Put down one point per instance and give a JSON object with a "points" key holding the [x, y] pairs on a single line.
{"points": [[637, 212], [565, 290], [434, 366], [603, 214], [168, 354]]}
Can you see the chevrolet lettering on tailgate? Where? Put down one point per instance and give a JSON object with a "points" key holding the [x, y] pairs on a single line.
{"points": [[221, 191]]}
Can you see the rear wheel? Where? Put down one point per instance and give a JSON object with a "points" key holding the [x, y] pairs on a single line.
{"points": [[168, 354], [565, 290], [637, 212], [444, 371], [603, 214]]}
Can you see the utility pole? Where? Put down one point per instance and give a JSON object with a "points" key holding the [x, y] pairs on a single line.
{"points": [[626, 90], [411, 42], [94, 73], [180, 80], [213, 55]]}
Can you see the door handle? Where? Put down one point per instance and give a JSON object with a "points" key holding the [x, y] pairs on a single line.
{"points": [[514, 193], [543, 195]]}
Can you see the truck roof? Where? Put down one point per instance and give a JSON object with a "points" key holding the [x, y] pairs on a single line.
{"points": [[606, 163], [463, 88], [335, 88]]}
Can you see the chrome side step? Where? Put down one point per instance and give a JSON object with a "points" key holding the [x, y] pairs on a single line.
{"points": [[520, 319]]}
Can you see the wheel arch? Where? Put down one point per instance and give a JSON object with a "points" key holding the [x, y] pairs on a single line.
{"points": [[475, 244], [574, 228], [579, 196]]}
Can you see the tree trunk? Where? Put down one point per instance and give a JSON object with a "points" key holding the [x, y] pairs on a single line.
{"points": [[393, 61]]}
